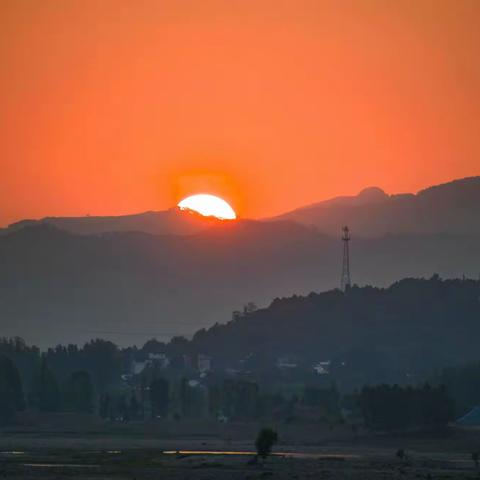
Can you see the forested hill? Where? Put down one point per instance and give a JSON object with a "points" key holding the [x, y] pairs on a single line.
{"points": [[414, 325]]}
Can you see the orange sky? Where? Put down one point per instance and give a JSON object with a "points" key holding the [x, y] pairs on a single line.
{"points": [[112, 106]]}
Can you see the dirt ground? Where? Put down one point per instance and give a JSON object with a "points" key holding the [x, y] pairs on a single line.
{"points": [[133, 453]]}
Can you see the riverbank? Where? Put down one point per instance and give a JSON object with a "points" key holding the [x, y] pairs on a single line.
{"points": [[100, 455]]}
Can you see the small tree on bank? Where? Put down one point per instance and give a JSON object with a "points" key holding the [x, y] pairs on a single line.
{"points": [[266, 439]]}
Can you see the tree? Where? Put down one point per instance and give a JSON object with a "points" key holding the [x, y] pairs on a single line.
{"points": [[250, 307], [122, 409], [133, 407], [153, 346], [391, 407], [102, 358], [436, 405], [159, 397], [266, 439], [214, 401], [240, 399], [463, 384], [11, 392], [400, 454], [104, 406], [325, 400], [26, 359], [49, 397], [185, 398], [79, 393]]}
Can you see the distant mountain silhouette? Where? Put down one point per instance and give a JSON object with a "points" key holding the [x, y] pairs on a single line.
{"points": [[169, 222], [447, 208], [58, 287]]}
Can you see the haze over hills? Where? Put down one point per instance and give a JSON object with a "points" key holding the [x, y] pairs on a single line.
{"points": [[128, 287], [58, 286]]}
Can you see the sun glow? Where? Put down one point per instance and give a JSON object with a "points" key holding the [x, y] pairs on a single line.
{"points": [[209, 206]]}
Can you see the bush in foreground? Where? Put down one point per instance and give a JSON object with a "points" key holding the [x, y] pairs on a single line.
{"points": [[266, 439]]}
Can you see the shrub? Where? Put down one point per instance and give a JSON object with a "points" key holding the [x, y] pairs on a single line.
{"points": [[266, 439]]}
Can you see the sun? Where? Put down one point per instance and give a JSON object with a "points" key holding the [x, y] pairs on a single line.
{"points": [[209, 206]]}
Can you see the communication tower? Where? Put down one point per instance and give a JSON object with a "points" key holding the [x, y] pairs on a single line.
{"points": [[345, 281]]}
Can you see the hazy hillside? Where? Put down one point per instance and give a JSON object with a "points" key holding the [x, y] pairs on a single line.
{"points": [[447, 208], [128, 287]]}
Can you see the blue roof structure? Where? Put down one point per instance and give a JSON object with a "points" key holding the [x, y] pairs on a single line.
{"points": [[470, 419]]}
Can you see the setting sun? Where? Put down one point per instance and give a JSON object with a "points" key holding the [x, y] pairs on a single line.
{"points": [[209, 206]]}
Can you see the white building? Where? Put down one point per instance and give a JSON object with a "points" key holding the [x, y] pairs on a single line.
{"points": [[159, 359], [322, 368], [286, 361], [138, 367]]}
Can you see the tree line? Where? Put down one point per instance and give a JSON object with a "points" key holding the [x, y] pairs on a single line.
{"points": [[381, 407], [392, 407], [89, 379]]}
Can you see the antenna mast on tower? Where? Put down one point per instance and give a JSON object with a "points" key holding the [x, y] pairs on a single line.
{"points": [[345, 281]]}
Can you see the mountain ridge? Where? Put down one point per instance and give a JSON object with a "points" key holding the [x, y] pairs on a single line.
{"points": [[445, 208], [167, 222]]}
